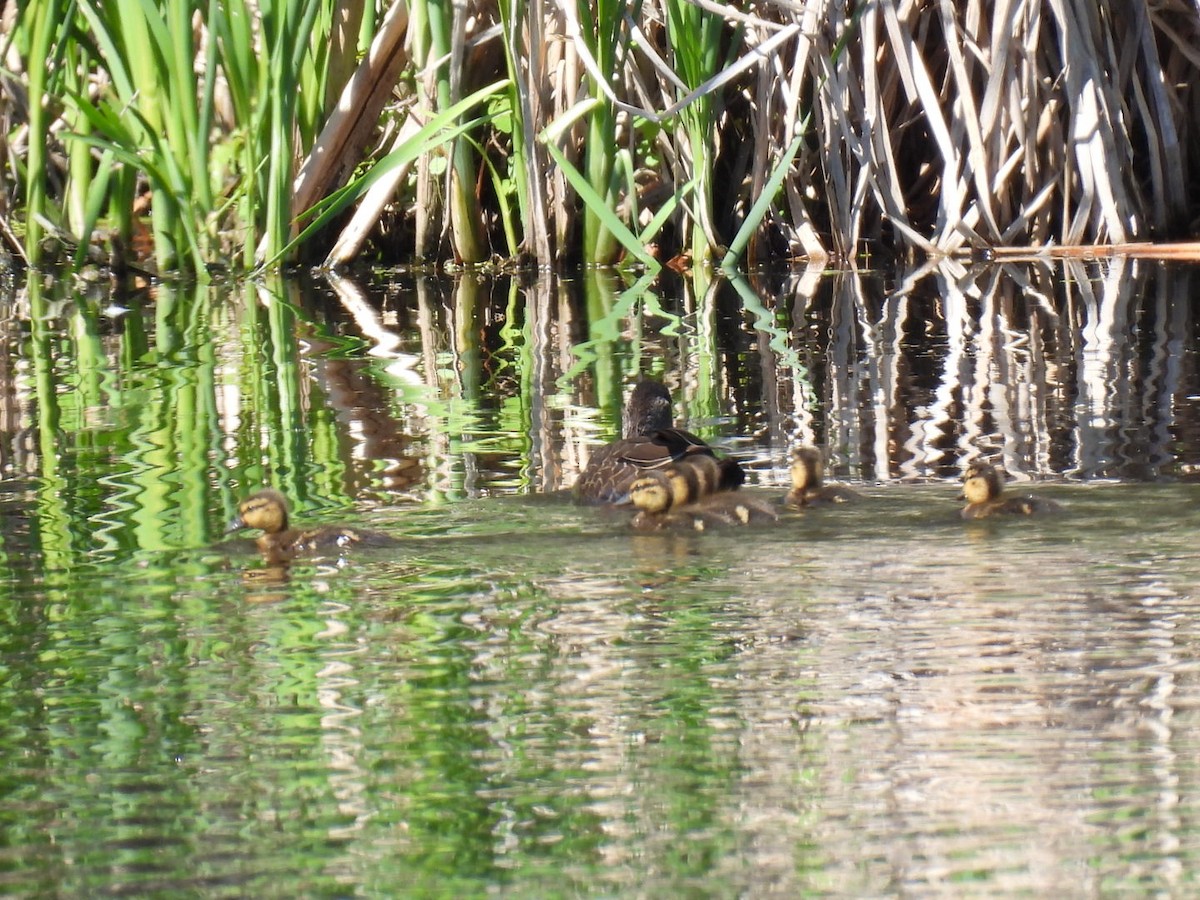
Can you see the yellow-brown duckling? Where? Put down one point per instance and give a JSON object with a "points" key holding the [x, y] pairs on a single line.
{"points": [[649, 441], [808, 481], [655, 495], [983, 488], [693, 477], [268, 510]]}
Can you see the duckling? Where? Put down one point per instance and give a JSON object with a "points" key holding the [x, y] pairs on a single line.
{"points": [[808, 481], [693, 477], [982, 489], [268, 510], [654, 496], [649, 441]]}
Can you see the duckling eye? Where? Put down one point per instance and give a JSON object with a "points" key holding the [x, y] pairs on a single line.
{"points": [[253, 506]]}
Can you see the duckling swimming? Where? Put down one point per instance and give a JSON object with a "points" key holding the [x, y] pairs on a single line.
{"points": [[268, 510], [654, 496], [693, 477], [649, 441], [982, 489], [808, 481]]}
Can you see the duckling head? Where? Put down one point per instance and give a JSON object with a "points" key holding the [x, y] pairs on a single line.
{"points": [[981, 484], [808, 469], [651, 494], [648, 409], [266, 509]]}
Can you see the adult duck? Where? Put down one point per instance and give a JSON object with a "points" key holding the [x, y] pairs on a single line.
{"points": [[649, 441]]}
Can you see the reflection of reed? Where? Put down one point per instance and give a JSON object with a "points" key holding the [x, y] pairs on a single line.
{"points": [[1043, 373], [1075, 368], [341, 737], [13, 400]]}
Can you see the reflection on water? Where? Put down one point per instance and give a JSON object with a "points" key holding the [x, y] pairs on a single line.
{"points": [[423, 390], [527, 699]]}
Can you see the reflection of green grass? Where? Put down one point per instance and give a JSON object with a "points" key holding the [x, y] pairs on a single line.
{"points": [[609, 316], [778, 338], [149, 417]]}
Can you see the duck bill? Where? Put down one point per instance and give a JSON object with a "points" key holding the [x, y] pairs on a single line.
{"points": [[236, 525]]}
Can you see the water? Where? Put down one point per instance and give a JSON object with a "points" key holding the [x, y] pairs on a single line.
{"points": [[527, 699]]}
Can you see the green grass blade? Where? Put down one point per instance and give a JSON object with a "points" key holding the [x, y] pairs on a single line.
{"points": [[762, 204], [601, 210]]}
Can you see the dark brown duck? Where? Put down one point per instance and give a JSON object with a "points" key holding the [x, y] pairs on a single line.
{"points": [[649, 441]]}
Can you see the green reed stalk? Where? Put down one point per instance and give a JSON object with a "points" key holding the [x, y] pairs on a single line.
{"points": [[524, 171], [603, 27], [247, 77], [149, 120], [287, 29], [695, 37], [79, 155], [42, 20], [444, 21]]}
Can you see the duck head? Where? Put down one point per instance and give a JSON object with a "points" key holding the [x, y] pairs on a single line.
{"points": [[981, 484], [648, 409], [651, 493], [267, 509]]}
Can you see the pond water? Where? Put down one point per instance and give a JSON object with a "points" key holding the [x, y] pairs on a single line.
{"points": [[528, 699]]}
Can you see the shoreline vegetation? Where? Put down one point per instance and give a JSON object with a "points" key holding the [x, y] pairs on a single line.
{"points": [[162, 137]]}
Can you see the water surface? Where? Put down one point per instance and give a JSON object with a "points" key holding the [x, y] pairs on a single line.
{"points": [[528, 699]]}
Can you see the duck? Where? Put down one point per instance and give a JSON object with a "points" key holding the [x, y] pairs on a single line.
{"points": [[808, 481], [983, 488], [654, 495], [649, 441], [267, 510]]}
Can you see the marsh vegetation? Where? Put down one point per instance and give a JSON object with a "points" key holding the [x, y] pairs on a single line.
{"points": [[184, 136]]}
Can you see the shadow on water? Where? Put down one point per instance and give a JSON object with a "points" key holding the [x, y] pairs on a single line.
{"points": [[525, 696]]}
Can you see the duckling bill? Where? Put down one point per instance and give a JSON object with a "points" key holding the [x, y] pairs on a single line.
{"points": [[983, 489], [267, 510], [649, 441]]}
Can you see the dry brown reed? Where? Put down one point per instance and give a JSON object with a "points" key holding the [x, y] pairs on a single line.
{"points": [[929, 127], [924, 127]]}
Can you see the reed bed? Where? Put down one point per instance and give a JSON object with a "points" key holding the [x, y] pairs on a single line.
{"points": [[177, 136]]}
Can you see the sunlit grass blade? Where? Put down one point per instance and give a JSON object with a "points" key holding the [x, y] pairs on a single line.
{"points": [[437, 132], [761, 205], [602, 211]]}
